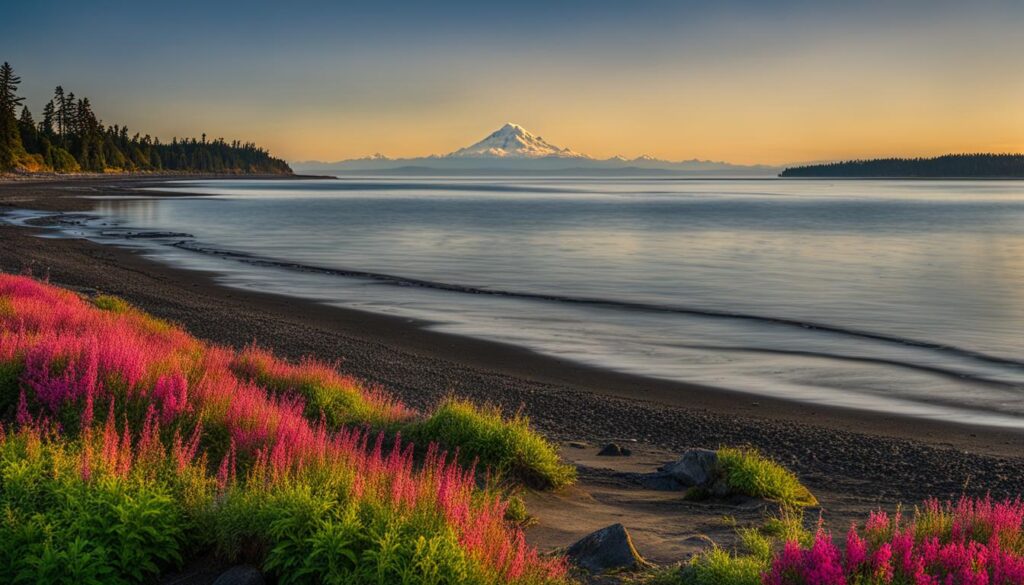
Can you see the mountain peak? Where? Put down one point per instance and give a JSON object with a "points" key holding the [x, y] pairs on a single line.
{"points": [[514, 141], [512, 127]]}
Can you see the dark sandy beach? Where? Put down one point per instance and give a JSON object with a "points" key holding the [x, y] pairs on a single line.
{"points": [[853, 460]]}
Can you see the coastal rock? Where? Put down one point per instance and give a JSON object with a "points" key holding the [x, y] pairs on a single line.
{"points": [[613, 450], [696, 467], [608, 548], [241, 575]]}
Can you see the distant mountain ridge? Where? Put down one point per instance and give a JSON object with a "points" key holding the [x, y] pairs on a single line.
{"points": [[514, 149]]}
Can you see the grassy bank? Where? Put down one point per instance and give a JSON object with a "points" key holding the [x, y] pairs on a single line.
{"points": [[130, 446]]}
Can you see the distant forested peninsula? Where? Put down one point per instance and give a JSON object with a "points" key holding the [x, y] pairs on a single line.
{"points": [[948, 166], [69, 138]]}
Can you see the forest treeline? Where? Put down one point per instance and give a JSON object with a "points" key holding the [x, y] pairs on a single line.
{"points": [[69, 138], [948, 166]]}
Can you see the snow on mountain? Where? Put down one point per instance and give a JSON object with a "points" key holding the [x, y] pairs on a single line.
{"points": [[514, 141], [514, 149]]}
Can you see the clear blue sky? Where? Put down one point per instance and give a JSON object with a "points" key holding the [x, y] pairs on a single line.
{"points": [[743, 81]]}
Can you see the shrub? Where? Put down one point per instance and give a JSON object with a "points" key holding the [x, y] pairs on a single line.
{"points": [[748, 471], [509, 447]]}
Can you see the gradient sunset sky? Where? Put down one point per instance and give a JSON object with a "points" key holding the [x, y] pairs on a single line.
{"points": [[748, 82]]}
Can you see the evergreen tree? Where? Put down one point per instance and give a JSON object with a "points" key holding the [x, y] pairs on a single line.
{"points": [[70, 110], [71, 138], [60, 103], [10, 136], [28, 131], [46, 126], [948, 166]]}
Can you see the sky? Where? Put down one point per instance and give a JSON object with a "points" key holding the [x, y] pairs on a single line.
{"points": [[746, 82]]}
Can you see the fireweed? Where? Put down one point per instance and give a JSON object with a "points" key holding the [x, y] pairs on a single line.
{"points": [[968, 542], [133, 446]]}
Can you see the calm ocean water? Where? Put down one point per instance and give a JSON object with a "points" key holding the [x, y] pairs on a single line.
{"points": [[890, 295]]}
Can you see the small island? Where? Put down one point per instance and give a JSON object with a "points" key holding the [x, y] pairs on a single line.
{"points": [[950, 166]]}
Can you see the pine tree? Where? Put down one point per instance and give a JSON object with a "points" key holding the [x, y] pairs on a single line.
{"points": [[70, 110], [26, 117], [28, 131], [46, 126], [89, 136], [60, 102], [10, 136]]}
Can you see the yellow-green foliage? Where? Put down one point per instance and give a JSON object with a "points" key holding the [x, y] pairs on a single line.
{"points": [[718, 567], [748, 471], [715, 567], [507, 446], [340, 399], [120, 306], [340, 404], [759, 544], [757, 547], [308, 531], [787, 526], [57, 528], [111, 303]]}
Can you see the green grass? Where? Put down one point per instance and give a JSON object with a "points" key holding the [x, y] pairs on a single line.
{"points": [[756, 549], [507, 446], [715, 567], [787, 526], [111, 303], [749, 472]]}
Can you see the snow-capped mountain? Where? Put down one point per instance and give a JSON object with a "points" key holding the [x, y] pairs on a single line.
{"points": [[514, 149], [514, 141]]}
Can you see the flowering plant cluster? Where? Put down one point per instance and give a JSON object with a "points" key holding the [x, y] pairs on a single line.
{"points": [[293, 466], [968, 542]]}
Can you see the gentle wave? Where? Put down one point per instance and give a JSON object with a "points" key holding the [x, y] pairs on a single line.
{"points": [[398, 280]]}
